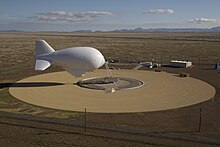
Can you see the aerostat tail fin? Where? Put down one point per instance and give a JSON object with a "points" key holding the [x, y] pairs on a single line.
{"points": [[41, 64], [42, 47]]}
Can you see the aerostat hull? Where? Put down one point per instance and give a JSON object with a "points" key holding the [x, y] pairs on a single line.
{"points": [[77, 60]]}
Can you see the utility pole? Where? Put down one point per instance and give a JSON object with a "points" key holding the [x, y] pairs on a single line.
{"points": [[0, 67], [85, 120], [200, 117]]}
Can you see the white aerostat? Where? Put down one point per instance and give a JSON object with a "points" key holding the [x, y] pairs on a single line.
{"points": [[76, 60]]}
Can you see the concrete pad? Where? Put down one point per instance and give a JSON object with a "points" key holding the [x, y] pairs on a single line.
{"points": [[161, 91]]}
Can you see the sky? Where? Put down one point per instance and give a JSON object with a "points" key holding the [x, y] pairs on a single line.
{"points": [[106, 15]]}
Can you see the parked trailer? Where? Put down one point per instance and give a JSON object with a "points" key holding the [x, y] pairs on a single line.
{"points": [[181, 64]]}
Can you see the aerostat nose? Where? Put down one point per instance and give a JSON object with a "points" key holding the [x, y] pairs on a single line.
{"points": [[96, 59], [102, 61]]}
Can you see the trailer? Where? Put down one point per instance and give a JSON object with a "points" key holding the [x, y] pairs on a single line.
{"points": [[180, 64]]}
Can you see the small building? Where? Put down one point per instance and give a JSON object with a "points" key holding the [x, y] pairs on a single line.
{"points": [[180, 64]]}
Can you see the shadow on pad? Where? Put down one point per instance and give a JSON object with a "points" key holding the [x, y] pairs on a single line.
{"points": [[29, 84]]}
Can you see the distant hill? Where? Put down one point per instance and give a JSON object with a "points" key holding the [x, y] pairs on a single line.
{"points": [[84, 31], [214, 29], [10, 31]]}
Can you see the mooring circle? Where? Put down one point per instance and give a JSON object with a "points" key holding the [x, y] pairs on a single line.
{"points": [[160, 91], [103, 83]]}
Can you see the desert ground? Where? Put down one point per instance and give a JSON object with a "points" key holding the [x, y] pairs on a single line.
{"points": [[196, 47], [196, 125]]}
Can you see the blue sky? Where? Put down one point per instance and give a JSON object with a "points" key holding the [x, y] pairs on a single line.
{"points": [[70, 15]]}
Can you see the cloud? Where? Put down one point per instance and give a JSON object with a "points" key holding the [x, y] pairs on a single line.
{"points": [[203, 20], [159, 11], [71, 16]]}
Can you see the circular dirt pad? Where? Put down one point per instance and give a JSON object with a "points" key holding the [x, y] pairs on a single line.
{"points": [[161, 91]]}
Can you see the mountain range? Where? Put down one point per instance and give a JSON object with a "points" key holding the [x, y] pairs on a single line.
{"points": [[214, 29]]}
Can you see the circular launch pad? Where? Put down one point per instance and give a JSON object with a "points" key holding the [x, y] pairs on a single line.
{"points": [[153, 91]]}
